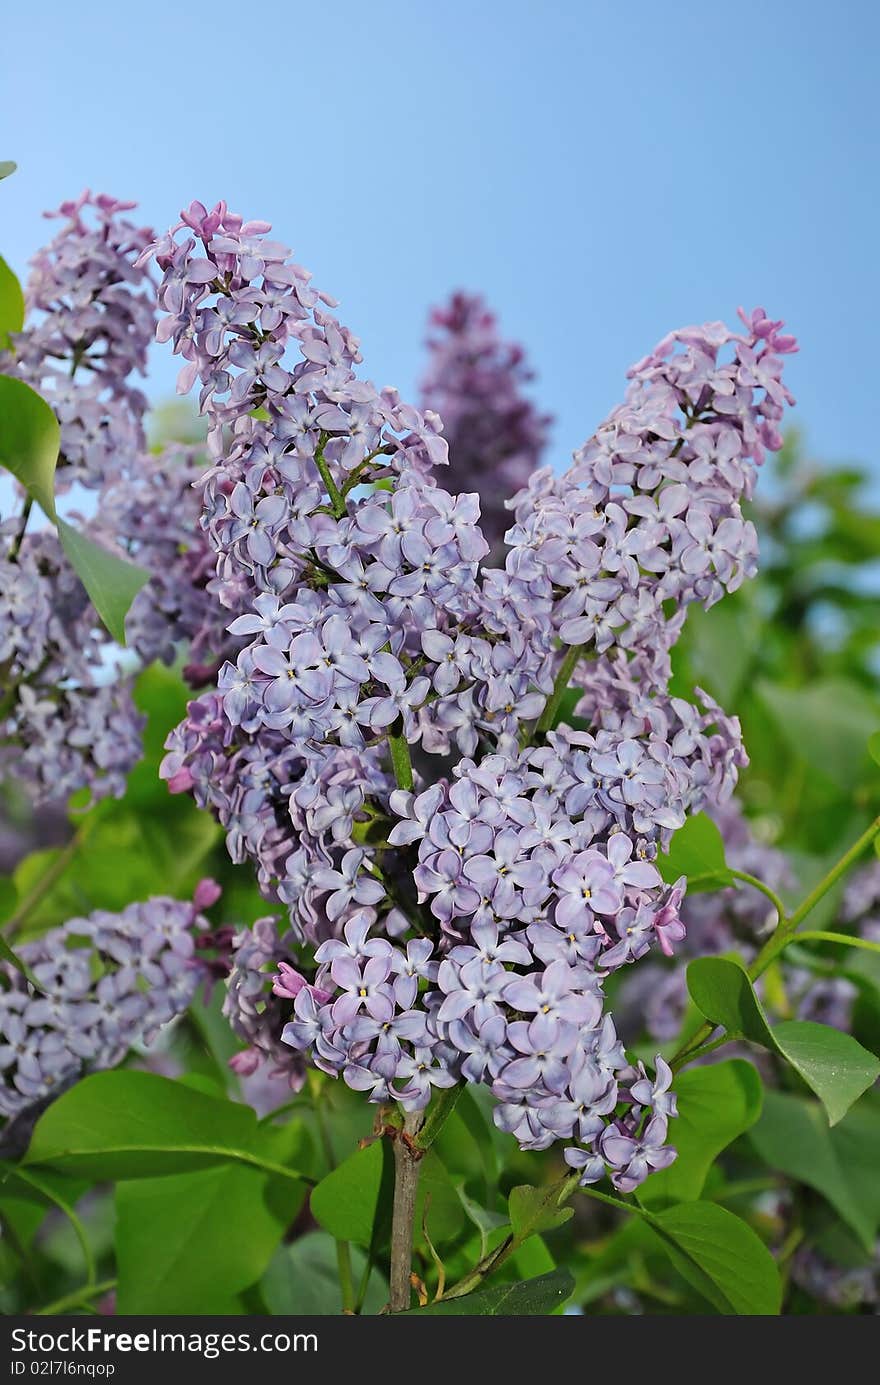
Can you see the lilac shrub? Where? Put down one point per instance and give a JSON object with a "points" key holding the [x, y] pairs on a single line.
{"points": [[475, 381], [462, 917]]}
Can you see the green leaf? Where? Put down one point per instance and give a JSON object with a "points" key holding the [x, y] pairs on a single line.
{"points": [[11, 304], [437, 1201], [54, 1190], [536, 1209], [188, 1242], [29, 440], [486, 1221], [721, 1257], [834, 1065], [347, 1202], [697, 851], [827, 724], [8, 955], [442, 1105], [112, 583], [715, 1106], [7, 167], [128, 1124], [534, 1298], [840, 1163], [303, 1279], [874, 747]]}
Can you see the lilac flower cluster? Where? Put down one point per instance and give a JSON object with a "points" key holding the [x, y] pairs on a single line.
{"points": [[152, 514], [650, 511], [463, 917], [106, 982], [475, 381], [90, 315], [65, 723], [255, 1012]]}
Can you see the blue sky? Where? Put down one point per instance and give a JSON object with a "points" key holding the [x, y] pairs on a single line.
{"points": [[601, 171]]}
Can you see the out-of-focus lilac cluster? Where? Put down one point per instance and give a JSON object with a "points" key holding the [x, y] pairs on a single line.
{"points": [[67, 720], [90, 315], [65, 723], [255, 1011], [655, 998], [841, 1287], [464, 921], [153, 515], [830, 999], [106, 982], [475, 381]]}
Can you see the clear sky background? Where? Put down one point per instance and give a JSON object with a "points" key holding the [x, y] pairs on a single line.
{"points": [[602, 172]]}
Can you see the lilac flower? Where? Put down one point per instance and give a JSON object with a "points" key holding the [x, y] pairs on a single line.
{"points": [[474, 382], [109, 981], [633, 1157], [363, 988]]}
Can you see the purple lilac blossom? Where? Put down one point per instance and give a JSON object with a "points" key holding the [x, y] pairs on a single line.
{"points": [[90, 319], [68, 719], [465, 927], [107, 981], [475, 381], [66, 722]]}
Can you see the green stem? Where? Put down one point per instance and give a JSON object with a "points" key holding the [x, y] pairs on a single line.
{"points": [[692, 1054], [330, 485], [364, 1284], [784, 933], [400, 761], [788, 927], [80, 1298], [563, 678], [765, 890], [343, 1250], [850, 940], [47, 880], [23, 524]]}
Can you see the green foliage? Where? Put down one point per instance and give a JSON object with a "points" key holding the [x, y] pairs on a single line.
{"points": [[715, 1106], [11, 304], [793, 1137], [833, 1064], [303, 1278], [29, 441], [534, 1298], [7, 168], [697, 851], [347, 1202], [128, 1124], [191, 1242], [111, 582], [721, 1257], [535, 1210]]}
